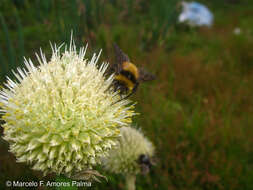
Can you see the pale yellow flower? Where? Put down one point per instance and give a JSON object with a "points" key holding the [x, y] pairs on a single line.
{"points": [[60, 116]]}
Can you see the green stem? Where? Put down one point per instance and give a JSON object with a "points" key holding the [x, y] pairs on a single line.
{"points": [[130, 182]]}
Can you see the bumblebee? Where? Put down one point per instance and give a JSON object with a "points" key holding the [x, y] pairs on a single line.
{"points": [[127, 75]]}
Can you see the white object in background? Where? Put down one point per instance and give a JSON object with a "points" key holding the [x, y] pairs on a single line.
{"points": [[237, 31], [196, 14]]}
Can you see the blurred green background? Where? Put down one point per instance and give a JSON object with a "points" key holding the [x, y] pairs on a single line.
{"points": [[199, 111]]}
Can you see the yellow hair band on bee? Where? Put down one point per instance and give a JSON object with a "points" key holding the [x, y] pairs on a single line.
{"points": [[128, 66], [125, 80]]}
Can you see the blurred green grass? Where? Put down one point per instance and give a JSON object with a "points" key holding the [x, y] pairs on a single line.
{"points": [[199, 111]]}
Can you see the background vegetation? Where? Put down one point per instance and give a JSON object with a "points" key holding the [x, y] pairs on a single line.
{"points": [[199, 111]]}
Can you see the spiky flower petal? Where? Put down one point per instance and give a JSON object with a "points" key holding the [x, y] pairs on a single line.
{"points": [[124, 158], [61, 117]]}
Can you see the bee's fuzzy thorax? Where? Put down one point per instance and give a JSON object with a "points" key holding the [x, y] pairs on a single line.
{"points": [[130, 67]]}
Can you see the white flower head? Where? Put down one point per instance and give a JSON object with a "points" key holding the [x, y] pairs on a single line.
{"points": [[61, 117], [124, 159]]}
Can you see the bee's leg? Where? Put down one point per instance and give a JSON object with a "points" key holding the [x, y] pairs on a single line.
{"points": [[115, 86], [127, 96]]}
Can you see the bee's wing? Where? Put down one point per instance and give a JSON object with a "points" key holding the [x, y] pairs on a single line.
{"points": [[145, 75], [120, 58]]}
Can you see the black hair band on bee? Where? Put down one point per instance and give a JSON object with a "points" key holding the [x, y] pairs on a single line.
{"points": [[129, 75]]}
